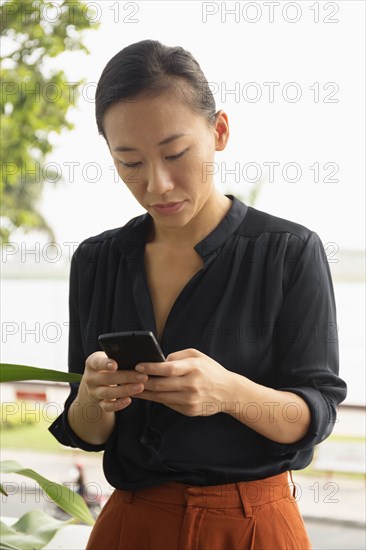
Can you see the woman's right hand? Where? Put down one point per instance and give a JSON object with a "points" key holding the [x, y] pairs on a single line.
{"points": [[107, 386]]}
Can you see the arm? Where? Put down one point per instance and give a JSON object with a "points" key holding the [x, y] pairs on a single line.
{"points": [[281, 416], [194, 384], [89, 416], [307, 358], [103, 391], [86, 417]]}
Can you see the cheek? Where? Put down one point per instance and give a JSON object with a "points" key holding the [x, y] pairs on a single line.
{"points": [[202, 165], [130, 177]]}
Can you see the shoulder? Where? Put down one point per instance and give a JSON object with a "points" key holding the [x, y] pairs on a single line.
{"points": [[111, 235], [287, 241], [258, 222], [117, 240]]}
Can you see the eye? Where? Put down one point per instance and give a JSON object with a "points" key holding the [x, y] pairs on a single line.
{"points": [[135, 164], [129, 165], [174, 157]]}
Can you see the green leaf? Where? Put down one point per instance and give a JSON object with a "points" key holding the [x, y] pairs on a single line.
{"points": [[2, 490], [32, 531], [65, 498], [14, 373]]}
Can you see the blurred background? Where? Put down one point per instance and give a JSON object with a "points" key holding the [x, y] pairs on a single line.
{"points": [[291, 77]]}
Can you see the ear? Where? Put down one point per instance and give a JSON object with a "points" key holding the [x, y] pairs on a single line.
{"points": [[221, 130]]}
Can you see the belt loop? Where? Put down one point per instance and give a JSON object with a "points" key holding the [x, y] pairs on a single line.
{"points": [[293, 485], [245, 502]]}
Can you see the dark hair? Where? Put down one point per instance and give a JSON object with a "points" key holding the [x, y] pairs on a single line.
{"points": [[147, 68]]}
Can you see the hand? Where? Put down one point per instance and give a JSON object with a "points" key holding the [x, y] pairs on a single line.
{"points": [[189, 382], [107, 386]]}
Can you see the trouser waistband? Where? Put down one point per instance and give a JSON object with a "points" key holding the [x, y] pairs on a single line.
{"points": [[228, 495]]}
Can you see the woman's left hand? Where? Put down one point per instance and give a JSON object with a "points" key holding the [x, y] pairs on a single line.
{"points": [[189, 382]]}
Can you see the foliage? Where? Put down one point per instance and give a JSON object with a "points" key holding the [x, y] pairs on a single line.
{"points": [[35, 529], [34, 101], [65, 498], [15, 373]]}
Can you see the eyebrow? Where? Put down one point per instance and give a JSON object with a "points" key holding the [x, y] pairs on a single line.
{"points": [[162, 142]]}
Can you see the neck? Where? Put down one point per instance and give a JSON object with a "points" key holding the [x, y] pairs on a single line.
{"points": [[204, 221]]}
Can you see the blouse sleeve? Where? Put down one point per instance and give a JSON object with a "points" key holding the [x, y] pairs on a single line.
{"points": [[61, 428], [307, 360]]}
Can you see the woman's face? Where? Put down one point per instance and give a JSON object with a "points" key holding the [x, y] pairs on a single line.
{"points": [[164, 152]]}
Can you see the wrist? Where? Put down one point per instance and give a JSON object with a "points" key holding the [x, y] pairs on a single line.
{"points": [[88, 420], [85, 398], [85, 407], [229, 398]]}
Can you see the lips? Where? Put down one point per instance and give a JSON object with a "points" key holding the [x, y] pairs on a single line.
{"points": [[168, 208], [166, 204]]}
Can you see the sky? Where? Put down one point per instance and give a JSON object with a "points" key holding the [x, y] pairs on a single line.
{"points": [[290, 76]]}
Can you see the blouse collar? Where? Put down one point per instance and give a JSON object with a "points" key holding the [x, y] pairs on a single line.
{"points": [[132, 240]]}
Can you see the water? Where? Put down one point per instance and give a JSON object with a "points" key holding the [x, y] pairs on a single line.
{"points": [[35, 328]]}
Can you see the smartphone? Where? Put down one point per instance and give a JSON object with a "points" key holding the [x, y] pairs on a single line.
{"points": [[130, 348]]}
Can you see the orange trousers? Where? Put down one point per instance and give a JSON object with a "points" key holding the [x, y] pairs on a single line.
{"points": [[248, 515]]}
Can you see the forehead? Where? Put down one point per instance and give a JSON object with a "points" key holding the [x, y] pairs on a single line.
{"points": [[150, 117]]}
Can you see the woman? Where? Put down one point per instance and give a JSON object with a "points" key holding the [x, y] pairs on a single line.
{"points": [[199, 448]]}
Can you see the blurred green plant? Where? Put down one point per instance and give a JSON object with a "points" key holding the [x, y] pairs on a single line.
{"points": [[10, 372], [36, 528], [32, 531], [34, 100], [14, 373]]}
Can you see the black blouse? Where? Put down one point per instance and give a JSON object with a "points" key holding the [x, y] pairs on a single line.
{"points": [[262, 306]]}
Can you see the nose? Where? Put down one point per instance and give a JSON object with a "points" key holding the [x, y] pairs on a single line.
{"points": [[158, 180]]}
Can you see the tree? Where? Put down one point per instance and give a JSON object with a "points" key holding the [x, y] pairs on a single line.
{"points": [[34, 101]]}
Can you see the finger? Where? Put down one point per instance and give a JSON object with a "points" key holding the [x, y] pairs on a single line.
{"points": [[163, 383], [183, 354], [116, 404], [166, 368], [99, 361], [121, 377], [108, 393]]}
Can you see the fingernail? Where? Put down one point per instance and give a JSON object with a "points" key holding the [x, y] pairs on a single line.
{"points": [[140, 368]]}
